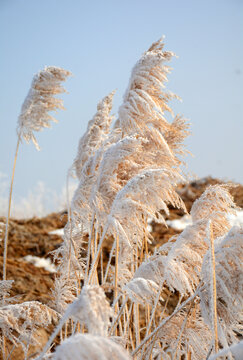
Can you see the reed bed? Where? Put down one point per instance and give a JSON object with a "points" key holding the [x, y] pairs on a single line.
{"points": [[128, 169]]}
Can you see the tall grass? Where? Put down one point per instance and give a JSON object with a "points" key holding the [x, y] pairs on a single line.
{"points": [[175, 303]]}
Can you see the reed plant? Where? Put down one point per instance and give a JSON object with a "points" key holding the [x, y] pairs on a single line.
{"points": [[121, 307]]}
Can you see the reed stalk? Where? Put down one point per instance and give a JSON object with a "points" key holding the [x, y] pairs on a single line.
{"points": [[214, 289], [5, 254]]}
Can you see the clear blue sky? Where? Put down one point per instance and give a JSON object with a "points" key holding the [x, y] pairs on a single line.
{"points": [[100, 41]]}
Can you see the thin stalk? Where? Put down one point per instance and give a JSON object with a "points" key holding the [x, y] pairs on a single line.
{"points": [[181, 331], [109, 261], [136, 306], [116, 267], [67, 194], [154, 309], [102, 267], [147, 309], [119, 315], [128, 315], [8, 216], [214, 290], [137, 323], [116, 276], [5, 252], [154, 333], [97, 255], [131, 340], [153, 314], [89, 248], [13, 347]]}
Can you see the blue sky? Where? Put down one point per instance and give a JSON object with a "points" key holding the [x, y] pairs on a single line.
{"points": [[100, 41]]}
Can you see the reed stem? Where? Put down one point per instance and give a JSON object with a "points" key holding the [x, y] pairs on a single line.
{"points": [[214, 290], [5, 254]]}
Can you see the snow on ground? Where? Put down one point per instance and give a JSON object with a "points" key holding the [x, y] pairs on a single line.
{"points": [[236, 219], [177, 224], [180, 224], [184, 221], [41, 262], [59, 232]]}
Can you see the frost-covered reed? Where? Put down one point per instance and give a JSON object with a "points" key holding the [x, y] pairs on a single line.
{"points": [[112, 297], [34, 116]]}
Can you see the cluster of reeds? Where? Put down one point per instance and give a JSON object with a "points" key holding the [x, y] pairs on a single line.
{"points": [[113, 298]]}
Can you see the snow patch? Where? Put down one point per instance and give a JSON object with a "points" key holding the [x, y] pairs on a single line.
{"points": [[59, 232], [236, 219], [184, 221], [180, 224], [41, 263]]}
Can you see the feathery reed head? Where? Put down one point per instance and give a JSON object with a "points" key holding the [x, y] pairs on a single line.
{"points": [[215, 203], [18, 322], [34, 115], [141, 291], [176, 342], [92, 309], [96, 133]]}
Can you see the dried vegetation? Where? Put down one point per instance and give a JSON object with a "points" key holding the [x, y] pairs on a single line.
{"points": [[119, 292]]}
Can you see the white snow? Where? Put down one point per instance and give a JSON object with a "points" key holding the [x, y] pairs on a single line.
{"points": [[180, 224], [59, 232], [236, 219], [184, 221], [41, 263]]}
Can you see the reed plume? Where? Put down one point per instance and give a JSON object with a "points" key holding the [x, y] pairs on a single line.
{"points": [[34, 116], [184, 261], [97, 131], [19, 322], [91, 309], [128, 174], [180, 336], [145, 103], [141, 291]]}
